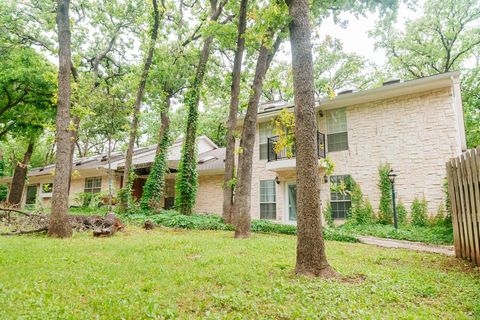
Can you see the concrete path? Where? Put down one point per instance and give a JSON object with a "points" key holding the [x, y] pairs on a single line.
{"points": [[415, 246]]}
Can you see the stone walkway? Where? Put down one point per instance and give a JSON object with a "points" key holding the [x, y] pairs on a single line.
{"points": [[415, 246]]}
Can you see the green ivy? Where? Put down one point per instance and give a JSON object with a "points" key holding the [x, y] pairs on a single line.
{"points": [[186, 185], [419, 212], [125, 193], [401, 214], [361, 211], [328, 215], [155, 184], [385, 186]]}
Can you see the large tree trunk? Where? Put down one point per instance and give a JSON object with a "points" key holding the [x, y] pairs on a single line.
{"points": [[59, 225], [19, 175], [140, 92], [232, 116], [241, 204], [311, 257], [186, 182]]}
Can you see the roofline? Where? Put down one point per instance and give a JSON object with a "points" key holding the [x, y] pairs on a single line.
{"points": [[437, 81]]}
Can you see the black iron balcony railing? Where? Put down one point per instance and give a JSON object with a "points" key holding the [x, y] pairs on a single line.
{"points": [[283, 154]]}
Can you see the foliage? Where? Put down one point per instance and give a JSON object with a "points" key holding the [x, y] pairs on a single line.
{"points": [[361, 211], [385, 186], [328, 215], [153, 189], [448, 204], [419, 212], [438, 41], [125, 194], [284, 128], [428, 234], [401, 213], [172, 219], [3, 188], [89, 199], [471, 104]]}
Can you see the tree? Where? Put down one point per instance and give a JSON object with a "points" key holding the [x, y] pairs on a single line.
{"points": [[311, 256], [187, 178], [437, 42], [232, 116], [140, 92], [471, 106], [59, 226]]}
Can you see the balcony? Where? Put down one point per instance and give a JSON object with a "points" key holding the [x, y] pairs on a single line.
{"points": [[281, 161]]}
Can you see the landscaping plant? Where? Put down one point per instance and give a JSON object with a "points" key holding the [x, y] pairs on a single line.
{"points": [[419, 212], [385, 208]]}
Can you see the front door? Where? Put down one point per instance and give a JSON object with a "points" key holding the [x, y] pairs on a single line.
{"points": [[291, 203]]}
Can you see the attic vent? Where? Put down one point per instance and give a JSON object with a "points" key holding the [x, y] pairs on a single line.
{"points": [[41, 169], [206, 159], [78, 163], [269, 108], [391, 81], [104, 158], [345, 92]]}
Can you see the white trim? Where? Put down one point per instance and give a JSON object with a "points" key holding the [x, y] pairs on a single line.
{"points": [[458, 109]]}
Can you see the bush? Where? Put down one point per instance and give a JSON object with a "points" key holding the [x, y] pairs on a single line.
{"points": [[89, 200], [3, 193], [327, 214], [361, 211], [401, 214], [385, 186], [172, 219], [419, 212]]}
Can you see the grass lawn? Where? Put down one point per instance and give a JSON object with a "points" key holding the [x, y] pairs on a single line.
{"points": [[429, 234], [169, 273]]}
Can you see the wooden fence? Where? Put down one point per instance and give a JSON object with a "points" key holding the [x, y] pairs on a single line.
{"points": [[463, 175]]}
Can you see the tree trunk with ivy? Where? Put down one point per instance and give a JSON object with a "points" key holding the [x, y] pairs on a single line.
{"points": [[59, 225], [186, 184], [19, 175], [155, 184], [311, 257], [232, 116], [139, 97], [241, 204]]}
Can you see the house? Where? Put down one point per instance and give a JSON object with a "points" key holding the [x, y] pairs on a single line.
{"points": [[415, 126]]}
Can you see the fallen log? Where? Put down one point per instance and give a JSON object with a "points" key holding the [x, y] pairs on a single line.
{"points": [[101, 226]]}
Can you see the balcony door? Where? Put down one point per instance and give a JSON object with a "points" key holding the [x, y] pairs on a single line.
{"points": [[291, 203]]}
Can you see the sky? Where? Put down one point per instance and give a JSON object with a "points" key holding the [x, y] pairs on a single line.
{"points": [[355, 36]]}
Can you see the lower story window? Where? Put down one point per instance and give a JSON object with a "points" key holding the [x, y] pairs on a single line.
{"points": [[268, 201], [93, 184], [339, 196]]}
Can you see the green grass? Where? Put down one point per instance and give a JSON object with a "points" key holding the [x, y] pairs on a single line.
{"points": [[168, 273], [429, 234]]}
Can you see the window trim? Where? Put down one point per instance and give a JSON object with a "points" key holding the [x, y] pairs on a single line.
{"points": [[274, 202], [334, 132], [349, 200], [92, 188]]}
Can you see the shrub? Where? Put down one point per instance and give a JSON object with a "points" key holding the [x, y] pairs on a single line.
{"points": [[401, 213], [89, 200], [173, 219], [327, 214], [361, 211], [385, 186], [3, 193], [419, 212]]}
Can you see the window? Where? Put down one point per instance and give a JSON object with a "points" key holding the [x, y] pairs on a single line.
{"points": [[93, 184], [337, 137], [339, 200], [265, 132], [268, 204]]}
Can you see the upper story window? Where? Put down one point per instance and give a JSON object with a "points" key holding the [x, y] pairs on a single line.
{"points": [[265, 132], [337, 137], [93, 184]]}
